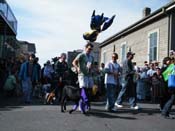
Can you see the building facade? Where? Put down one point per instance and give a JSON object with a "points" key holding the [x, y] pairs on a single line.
{"points": [[26, 48], [8, 29], [151, 38], [71, 56], [96, 52]]}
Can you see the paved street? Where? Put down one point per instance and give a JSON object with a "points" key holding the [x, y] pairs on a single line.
{"points": [[38, 117]]}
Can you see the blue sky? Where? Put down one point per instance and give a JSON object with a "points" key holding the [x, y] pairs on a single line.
{"points": [[57, 26]]}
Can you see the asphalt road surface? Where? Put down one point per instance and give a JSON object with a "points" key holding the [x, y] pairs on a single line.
{"points": [[39, 117]]}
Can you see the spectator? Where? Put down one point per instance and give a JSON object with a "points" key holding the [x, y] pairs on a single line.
{"points": [[102, 77], [61, 70], [48, 71], [112, 73], [10, 84], [128, 83], [26, 75], [168, 95]]}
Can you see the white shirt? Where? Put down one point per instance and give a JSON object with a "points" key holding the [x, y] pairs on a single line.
{"points": [[151, 72], [111, 67]]}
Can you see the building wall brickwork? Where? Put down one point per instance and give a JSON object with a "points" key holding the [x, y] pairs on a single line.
{"points": [[138, 42]]}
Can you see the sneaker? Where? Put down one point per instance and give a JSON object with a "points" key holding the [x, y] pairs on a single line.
{"points": [[79, 108], [113, 110], [118, 105], [135, 107], [86, 109], [168, 117], [106, 108]]}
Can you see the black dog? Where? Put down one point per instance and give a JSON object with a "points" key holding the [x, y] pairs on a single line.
{"points": [[71, 93]]}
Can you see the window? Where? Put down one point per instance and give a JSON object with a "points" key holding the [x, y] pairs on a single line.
{"points": [[123, 51], [113, 48], [153, 46], [104, 57]]}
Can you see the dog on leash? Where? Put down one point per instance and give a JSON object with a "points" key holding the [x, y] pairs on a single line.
{"points": [[71, 93], [49, 96]]}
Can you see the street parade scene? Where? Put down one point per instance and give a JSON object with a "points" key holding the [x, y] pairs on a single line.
{"points": [[120, 77]]}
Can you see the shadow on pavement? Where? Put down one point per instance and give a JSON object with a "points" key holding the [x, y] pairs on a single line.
{"points": [[147, 109], [9, 108], [105, 114], [9, 103]]}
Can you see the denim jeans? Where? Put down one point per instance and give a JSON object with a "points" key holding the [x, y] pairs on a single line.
{"points": [[27, 90], [167, 107], [110, 92], [127, 84]]}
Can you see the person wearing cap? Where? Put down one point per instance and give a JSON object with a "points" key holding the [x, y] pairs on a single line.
{"points": [[128, 83]]}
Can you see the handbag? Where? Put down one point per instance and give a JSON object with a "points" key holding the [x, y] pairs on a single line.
{"points": [[171, 80]]}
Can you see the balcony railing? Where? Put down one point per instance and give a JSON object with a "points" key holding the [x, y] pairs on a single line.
{"points": [[8, 14]]}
